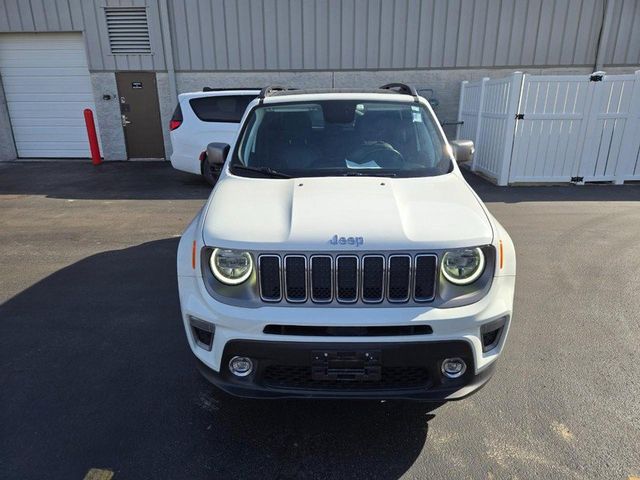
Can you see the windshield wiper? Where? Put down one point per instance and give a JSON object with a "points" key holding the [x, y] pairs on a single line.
{"points": [[266, 171]]}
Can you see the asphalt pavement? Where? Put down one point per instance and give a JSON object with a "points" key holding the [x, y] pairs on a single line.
{"points": [[96, 373]]}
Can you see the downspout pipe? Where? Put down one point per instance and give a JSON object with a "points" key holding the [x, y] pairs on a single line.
{"points": [[168, 50], [603, 41]]}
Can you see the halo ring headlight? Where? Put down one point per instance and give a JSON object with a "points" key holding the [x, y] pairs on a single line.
{"points": [[463, 265], [231, 267]]}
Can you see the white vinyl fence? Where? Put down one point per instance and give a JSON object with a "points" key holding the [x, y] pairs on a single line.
{"points": [[555, 128], [470, 107]]}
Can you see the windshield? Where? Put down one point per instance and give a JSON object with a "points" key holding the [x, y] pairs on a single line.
{"points": [[340, 137]]}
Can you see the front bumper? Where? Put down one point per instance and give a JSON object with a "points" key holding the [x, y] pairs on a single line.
{"points": [[409, 370], [455, 332]]}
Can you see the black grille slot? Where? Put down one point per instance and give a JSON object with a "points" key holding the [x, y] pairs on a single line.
{"points": [[347, 279], [294, 376], [372, 278], [321, 285], [376, 331], [270, 278], [399, 278], [295, 278], [425, 278]]}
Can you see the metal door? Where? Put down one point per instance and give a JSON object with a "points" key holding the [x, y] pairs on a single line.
{"points": [[47, 86], [140, 114]]}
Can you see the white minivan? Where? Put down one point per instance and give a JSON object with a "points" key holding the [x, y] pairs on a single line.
{"points": [[212, 115]]}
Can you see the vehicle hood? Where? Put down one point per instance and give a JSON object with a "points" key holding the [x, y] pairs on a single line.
{"points": [[304, 214]]}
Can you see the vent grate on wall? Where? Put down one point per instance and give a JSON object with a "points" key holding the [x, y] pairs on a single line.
{"points": [[128, 30]]}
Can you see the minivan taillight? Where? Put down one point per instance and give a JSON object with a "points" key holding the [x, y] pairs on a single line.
{"points": [[176, 118]]}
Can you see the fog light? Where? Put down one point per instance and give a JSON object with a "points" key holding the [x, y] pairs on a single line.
{"points": [[241, 366], [453, 367]]}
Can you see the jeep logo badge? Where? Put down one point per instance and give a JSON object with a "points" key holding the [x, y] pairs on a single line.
{"points": [[355, 241]]}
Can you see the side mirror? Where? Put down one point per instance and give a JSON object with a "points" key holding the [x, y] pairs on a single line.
{"points": [[463, 150], [217, 153]]}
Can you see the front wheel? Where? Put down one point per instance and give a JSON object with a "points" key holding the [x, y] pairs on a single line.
{"points": [[209, 171]]}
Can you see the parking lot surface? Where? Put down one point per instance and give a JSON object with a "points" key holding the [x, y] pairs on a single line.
{"points": [[95, 371]]}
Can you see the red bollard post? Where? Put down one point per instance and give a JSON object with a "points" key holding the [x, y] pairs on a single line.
{"points": [[93, 137]]}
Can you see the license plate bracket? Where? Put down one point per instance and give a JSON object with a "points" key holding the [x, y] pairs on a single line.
{"points": [[346, 366]]}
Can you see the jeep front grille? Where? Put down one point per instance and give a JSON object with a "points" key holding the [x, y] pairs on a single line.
{"points": [[346, 278]]}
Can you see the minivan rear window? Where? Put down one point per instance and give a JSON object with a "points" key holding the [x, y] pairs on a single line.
{"points": [[221, 108]]}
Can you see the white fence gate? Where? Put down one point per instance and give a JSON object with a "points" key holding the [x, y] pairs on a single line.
{"points": [[497, 121], [549, 133], [612, 134], [559, 128]]}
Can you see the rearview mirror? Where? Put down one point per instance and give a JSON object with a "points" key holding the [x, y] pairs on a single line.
{"points": [[217, 153], [463, 150]]}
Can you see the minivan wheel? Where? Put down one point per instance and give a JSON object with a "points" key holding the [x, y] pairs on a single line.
{"points": [[208, 172]]}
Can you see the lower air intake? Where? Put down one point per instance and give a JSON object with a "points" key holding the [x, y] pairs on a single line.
{"points": [[391, 378]]}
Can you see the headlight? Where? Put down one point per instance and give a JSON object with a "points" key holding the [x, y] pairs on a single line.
{"points": [[231, 267], [463, 266]]}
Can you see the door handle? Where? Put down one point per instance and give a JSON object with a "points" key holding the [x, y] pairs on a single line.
{"points": [[125, 122]]}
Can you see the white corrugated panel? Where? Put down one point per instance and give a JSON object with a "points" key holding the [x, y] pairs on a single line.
{"points": [[47, 86]]}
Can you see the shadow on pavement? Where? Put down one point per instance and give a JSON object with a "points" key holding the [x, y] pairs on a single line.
{"points": [[552, 193], [95, 372], [109, 181]]}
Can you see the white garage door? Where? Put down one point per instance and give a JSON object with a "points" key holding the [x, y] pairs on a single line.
{"points": [[47, 87]]}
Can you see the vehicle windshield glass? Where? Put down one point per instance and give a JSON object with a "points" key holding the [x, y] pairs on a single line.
{"points": [[341, 137]]}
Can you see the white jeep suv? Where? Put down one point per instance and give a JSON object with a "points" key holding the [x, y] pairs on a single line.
{"points": [[342, 254], [212, 115]]}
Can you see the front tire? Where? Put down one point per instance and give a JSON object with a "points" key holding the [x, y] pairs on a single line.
{"points": [[209, 172]]}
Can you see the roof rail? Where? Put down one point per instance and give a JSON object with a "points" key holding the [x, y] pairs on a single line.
{"points": [[401, 88], [269, 89]]}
